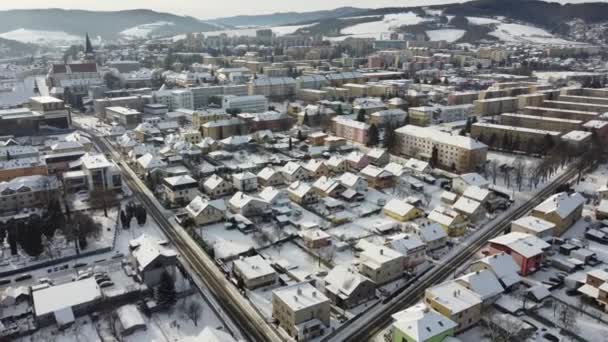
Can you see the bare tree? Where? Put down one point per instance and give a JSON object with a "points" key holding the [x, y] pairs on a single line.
{"points": [[194, 310], [501, 327], [519, 169], [493, 170], [566, 316]]}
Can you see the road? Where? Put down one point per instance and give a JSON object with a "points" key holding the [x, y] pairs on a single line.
{"points": [[376, 319], [202, 269]]}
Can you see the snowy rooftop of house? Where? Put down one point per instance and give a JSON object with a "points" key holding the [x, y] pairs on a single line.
{"points": [[422, 323], [518, 129], [399, 207], [441, 137], [149, 161], [394, 168], [449, 196], [95, 161], [577, 135], [46, 99], [335, 161], [343, 279], [300, 296], [474, 179], [562, 204], [325, 184], [299, 188], [180, 180], [240, 200], [444, 216], [123, 110], [406, 243], [523, 244], [543, 118], [34, 183], [244, 175], [376, 254], [269, 193], [213, 181], [199, 204], [350, 122], [416, 165], [254, 267], [314, 234], [66, 295], [534, 224], [466, 205], [266, 173], [376, 153], [504, 267], [431, 231], [375, 172], [476, 193], [129, 317], [599, 274], [483, 282], [146, 249], [291, 167], [454, 296], [597, 124], [313, 165]]}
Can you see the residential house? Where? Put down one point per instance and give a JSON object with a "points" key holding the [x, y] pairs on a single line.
{"points": [[596, 287], [417, 167], [477, 194], [401, 211], [456, 302], [216, 186], [484, 283], [462, 182], [151, 259], [328, 187], [378, 157], [395, 168], [471, 209], [205, 212], [419, 323], [28, 192], [245, 181], [269, 176], [347, 288], [432, 234], [357, 161], [502, 265], [180, 189], [293, 171], [248, 206], [411, 246], [301, 311], [527, 250], [274, 196], [254, 272], [352, 181], [315, 238], [337, 164], [149, 162], [450, 220], [561, 209], [377, 177], [302, 193], [534, 226], [316, 168], [379, 263]]}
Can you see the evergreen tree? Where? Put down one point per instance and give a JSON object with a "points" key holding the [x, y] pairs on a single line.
{"points": [[467, 128], [300, 136], [306, 120], [361, 115], [373, 136], [290, 144], [434, 157], [12, 237], [505, 141], [339, 110], [165, 291], [141, 215]]}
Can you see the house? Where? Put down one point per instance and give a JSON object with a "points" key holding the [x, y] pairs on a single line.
{"points": [[477, 194], [378, 157], [354, 182], [401, 211], [301, 310], [561, 209], [130, 319], [274, 196], [411, 246], [302, 193], [62, 303], [254, 272], [502, 265], [149, 162], [448, 197], [293, 171], [317, 138], [357, 161], [150, 259], [205, 212], [395, 168], [248, 206], [471, 209], [316, 168], [377, 177], [602, 192], [601, 211], [419, 323], [484, 283], [95, 172], [596, 287], [379, 263], [534, 226], [315, 238], [417, 167], [432, 234], [28, 192], [337, 164], [346, 288], [215, 186], [527, 250], [268, 176], [450, 220], [455, 302], [245, 181], [180, 189], [328, 187], [462, 182]]}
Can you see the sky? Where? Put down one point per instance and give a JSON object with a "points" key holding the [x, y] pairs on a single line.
{"points": [[207, 9]]}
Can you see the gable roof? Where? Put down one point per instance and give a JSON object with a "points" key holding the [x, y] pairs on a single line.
{"points": [[399, 207], [562, 204], [421, 323], [523, 244], [198, 205], [483, 282], [343, 279]]}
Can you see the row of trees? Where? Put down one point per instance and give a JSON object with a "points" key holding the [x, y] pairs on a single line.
{"points": [[133, 211]]}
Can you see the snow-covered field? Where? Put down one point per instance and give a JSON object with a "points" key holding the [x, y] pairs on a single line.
{"points": [[519, 33], [482, 21], [449, 35], [389, 23], [40, 37], [142, 31], [251, 31]]}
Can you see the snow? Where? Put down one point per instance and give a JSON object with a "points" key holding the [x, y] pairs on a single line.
{"points": [[519, 33], [449, 35], [290, 29], [143, 31], [390, 22], [482, 21], [40, 37]]}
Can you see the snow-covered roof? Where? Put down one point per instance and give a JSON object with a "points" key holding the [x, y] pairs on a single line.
{"points": [[350, 179], [405, 243], [431, 232], [441, 137], [244, 176], [483, 282], [534, 224], [314, 234], [375, 254], [504, 267], [254, 267], [129, 317], [467, 206], [443, 216], [146, 249], [326, 184], [313, 165], [376, 153], [417, 165], [399, 207], [539, 292], [300, 296], [239, 200], [422, 323], [213, 181], [291, 167], [523, 244], [211, 335], [180, 180], [148, 162], [562, 204], [299, 188], [95, 161], [474, 179], [199, 204], [454, 296], [31, 183], [394, 168], [476, 193], [375, 172], [266, 173], [270, 193], [67, 295], [343, 279]]}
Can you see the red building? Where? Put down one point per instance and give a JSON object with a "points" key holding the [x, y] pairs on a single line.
{"points": [[526, 250]]}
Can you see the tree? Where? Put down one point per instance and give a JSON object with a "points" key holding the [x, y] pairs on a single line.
{"points": [[141, 215], [434, 157], [30, 236], [339, 110], [361, 115], [566, 316], [102, 198], [81, 227], [467, 127], [165, 291], [290, 144], [193, 311], [373, 136], [53, 219], [306, 119], [300, 136], [125, 220], [12, 236]]}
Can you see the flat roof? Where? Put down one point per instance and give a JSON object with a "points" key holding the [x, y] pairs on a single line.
{"points": [[517, 129], [66, 295], [542, 118]]}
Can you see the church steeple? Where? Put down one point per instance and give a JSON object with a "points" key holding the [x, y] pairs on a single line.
{"points": [[89, 47]]}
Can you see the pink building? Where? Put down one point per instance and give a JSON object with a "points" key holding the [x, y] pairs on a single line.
{"points": [[350, 129]]}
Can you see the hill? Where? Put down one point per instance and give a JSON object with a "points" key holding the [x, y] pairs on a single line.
{"points": [[284, 18]]}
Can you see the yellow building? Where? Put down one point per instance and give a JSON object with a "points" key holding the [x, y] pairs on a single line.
{"points": [[401, 211]]}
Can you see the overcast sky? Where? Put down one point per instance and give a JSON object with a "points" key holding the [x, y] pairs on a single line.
{"points": [[206, 9]]}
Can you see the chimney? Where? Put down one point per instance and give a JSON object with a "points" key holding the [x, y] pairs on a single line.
{"points": [[314, 294]]}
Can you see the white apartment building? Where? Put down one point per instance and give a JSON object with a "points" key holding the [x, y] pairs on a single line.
{"points": [[246, 104]]}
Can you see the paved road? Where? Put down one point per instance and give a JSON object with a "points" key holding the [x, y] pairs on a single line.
{"points": [[379, 317], [241, 318]]}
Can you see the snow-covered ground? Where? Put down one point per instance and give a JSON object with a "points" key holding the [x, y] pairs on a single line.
{"points": [[389, 23], [144, 30], [40, 37], [482, 21], [251, 31], [519, 33], [449, 35]]}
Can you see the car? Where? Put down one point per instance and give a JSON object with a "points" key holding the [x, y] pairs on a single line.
{"points": [[550, 337], [5, 281], [23, 277], [80, 264], [106, 284]]}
